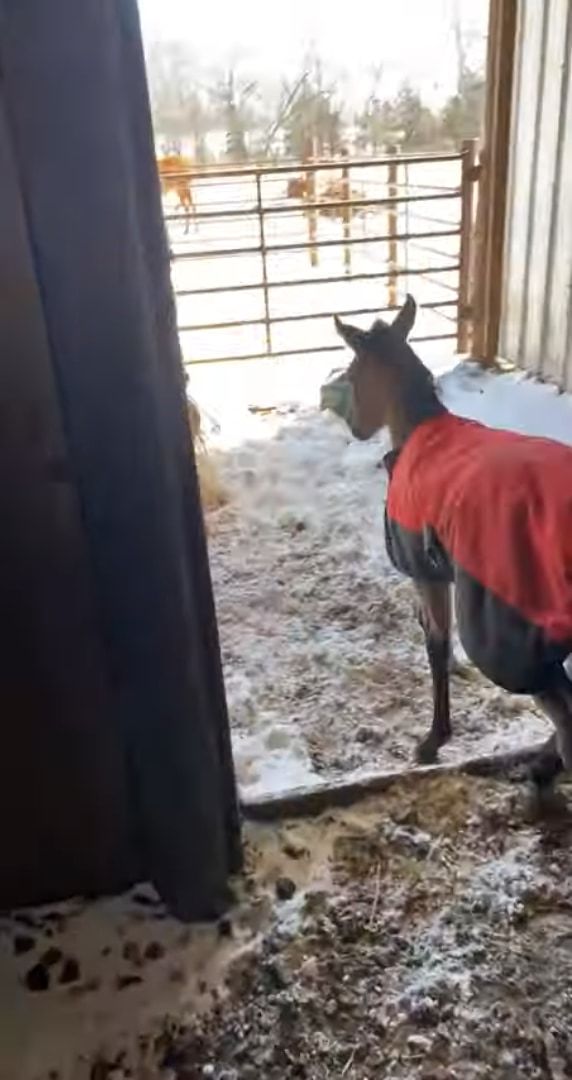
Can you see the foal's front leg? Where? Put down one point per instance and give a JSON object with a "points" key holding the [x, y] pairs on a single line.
{"points": [[435, 618]]}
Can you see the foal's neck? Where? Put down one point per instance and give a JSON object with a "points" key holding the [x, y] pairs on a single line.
{"points": [[413, 401]]}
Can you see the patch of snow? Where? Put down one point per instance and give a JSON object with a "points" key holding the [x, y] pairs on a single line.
{"points": [[271, 759], [130, 967], [501, 885], [509, 400], [289, 915], [442, 956]]}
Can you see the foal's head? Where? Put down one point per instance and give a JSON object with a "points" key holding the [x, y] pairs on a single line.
{"points": [[390, 386]]}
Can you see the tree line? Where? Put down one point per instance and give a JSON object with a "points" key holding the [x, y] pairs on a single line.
{"points": [[302, 116]]}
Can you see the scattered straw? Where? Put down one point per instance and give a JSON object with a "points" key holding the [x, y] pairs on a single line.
{"points": [[213, 493], [349, 1062], [375, 904]]}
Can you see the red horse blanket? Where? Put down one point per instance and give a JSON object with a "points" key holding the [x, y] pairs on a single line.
{"points": [[491, 511]]}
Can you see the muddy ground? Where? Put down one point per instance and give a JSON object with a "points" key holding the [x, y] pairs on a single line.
{"points": [[425, 933], [430, 936]]}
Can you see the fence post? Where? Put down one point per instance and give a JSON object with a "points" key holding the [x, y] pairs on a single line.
{"points": [[311, 214], [392, 228], [262, 234], [309, 195], [406, 229], [468, 177], [346, 213]]}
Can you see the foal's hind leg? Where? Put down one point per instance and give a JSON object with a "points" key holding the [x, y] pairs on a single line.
{"points": [[556, 754], [435, 618], [547, 765]]}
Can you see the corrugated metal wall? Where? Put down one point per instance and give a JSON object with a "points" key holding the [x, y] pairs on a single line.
{"points": [[536, 322]]}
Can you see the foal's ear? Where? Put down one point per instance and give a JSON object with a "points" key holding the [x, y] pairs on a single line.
{"points": [[404, 320], [352, 335]]}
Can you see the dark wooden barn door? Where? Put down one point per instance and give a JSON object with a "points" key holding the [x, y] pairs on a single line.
{"points": [[114, 741], [63, 803]]}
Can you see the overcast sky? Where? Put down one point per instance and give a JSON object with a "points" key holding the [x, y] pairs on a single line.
{"points": [[411, 39]]}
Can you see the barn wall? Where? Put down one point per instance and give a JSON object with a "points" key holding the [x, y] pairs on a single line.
{"points": [[536, 322]]}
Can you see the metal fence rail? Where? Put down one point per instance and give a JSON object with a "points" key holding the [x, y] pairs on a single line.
{"points": [[397, 200]]}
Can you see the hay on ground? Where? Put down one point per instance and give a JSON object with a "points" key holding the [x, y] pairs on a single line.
{"points": [[213, 492]]}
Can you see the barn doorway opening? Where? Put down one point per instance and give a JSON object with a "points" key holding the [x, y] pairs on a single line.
{"points": [[294, 188]]}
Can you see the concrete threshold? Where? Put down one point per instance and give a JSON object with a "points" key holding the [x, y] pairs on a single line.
{"points": [[313, 799]]}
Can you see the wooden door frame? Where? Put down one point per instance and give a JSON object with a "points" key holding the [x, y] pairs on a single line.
{"points": [[491, 211]]}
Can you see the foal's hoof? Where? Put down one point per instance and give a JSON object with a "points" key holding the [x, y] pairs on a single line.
{"points": [[427, 752], [545, 803], [544, 769]]}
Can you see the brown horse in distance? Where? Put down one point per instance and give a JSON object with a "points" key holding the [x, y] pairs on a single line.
{"points": [[175, 176], [300, 187]]}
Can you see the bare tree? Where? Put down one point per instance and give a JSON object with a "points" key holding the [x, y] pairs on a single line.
{"points": [[178, 102], [462, 114], [233, 98], [459, 46], [314, 118], [370, 122], [466, 35], [287, 101]]}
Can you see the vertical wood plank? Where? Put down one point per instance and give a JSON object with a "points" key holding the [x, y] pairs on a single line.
{"points": [[519, 184], [539, 255], [557, 321], [497, 149], [536, 321], [464, 312], [500, 66]]}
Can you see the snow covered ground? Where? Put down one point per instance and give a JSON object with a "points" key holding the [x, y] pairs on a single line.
{"points": [[324, 662]]}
